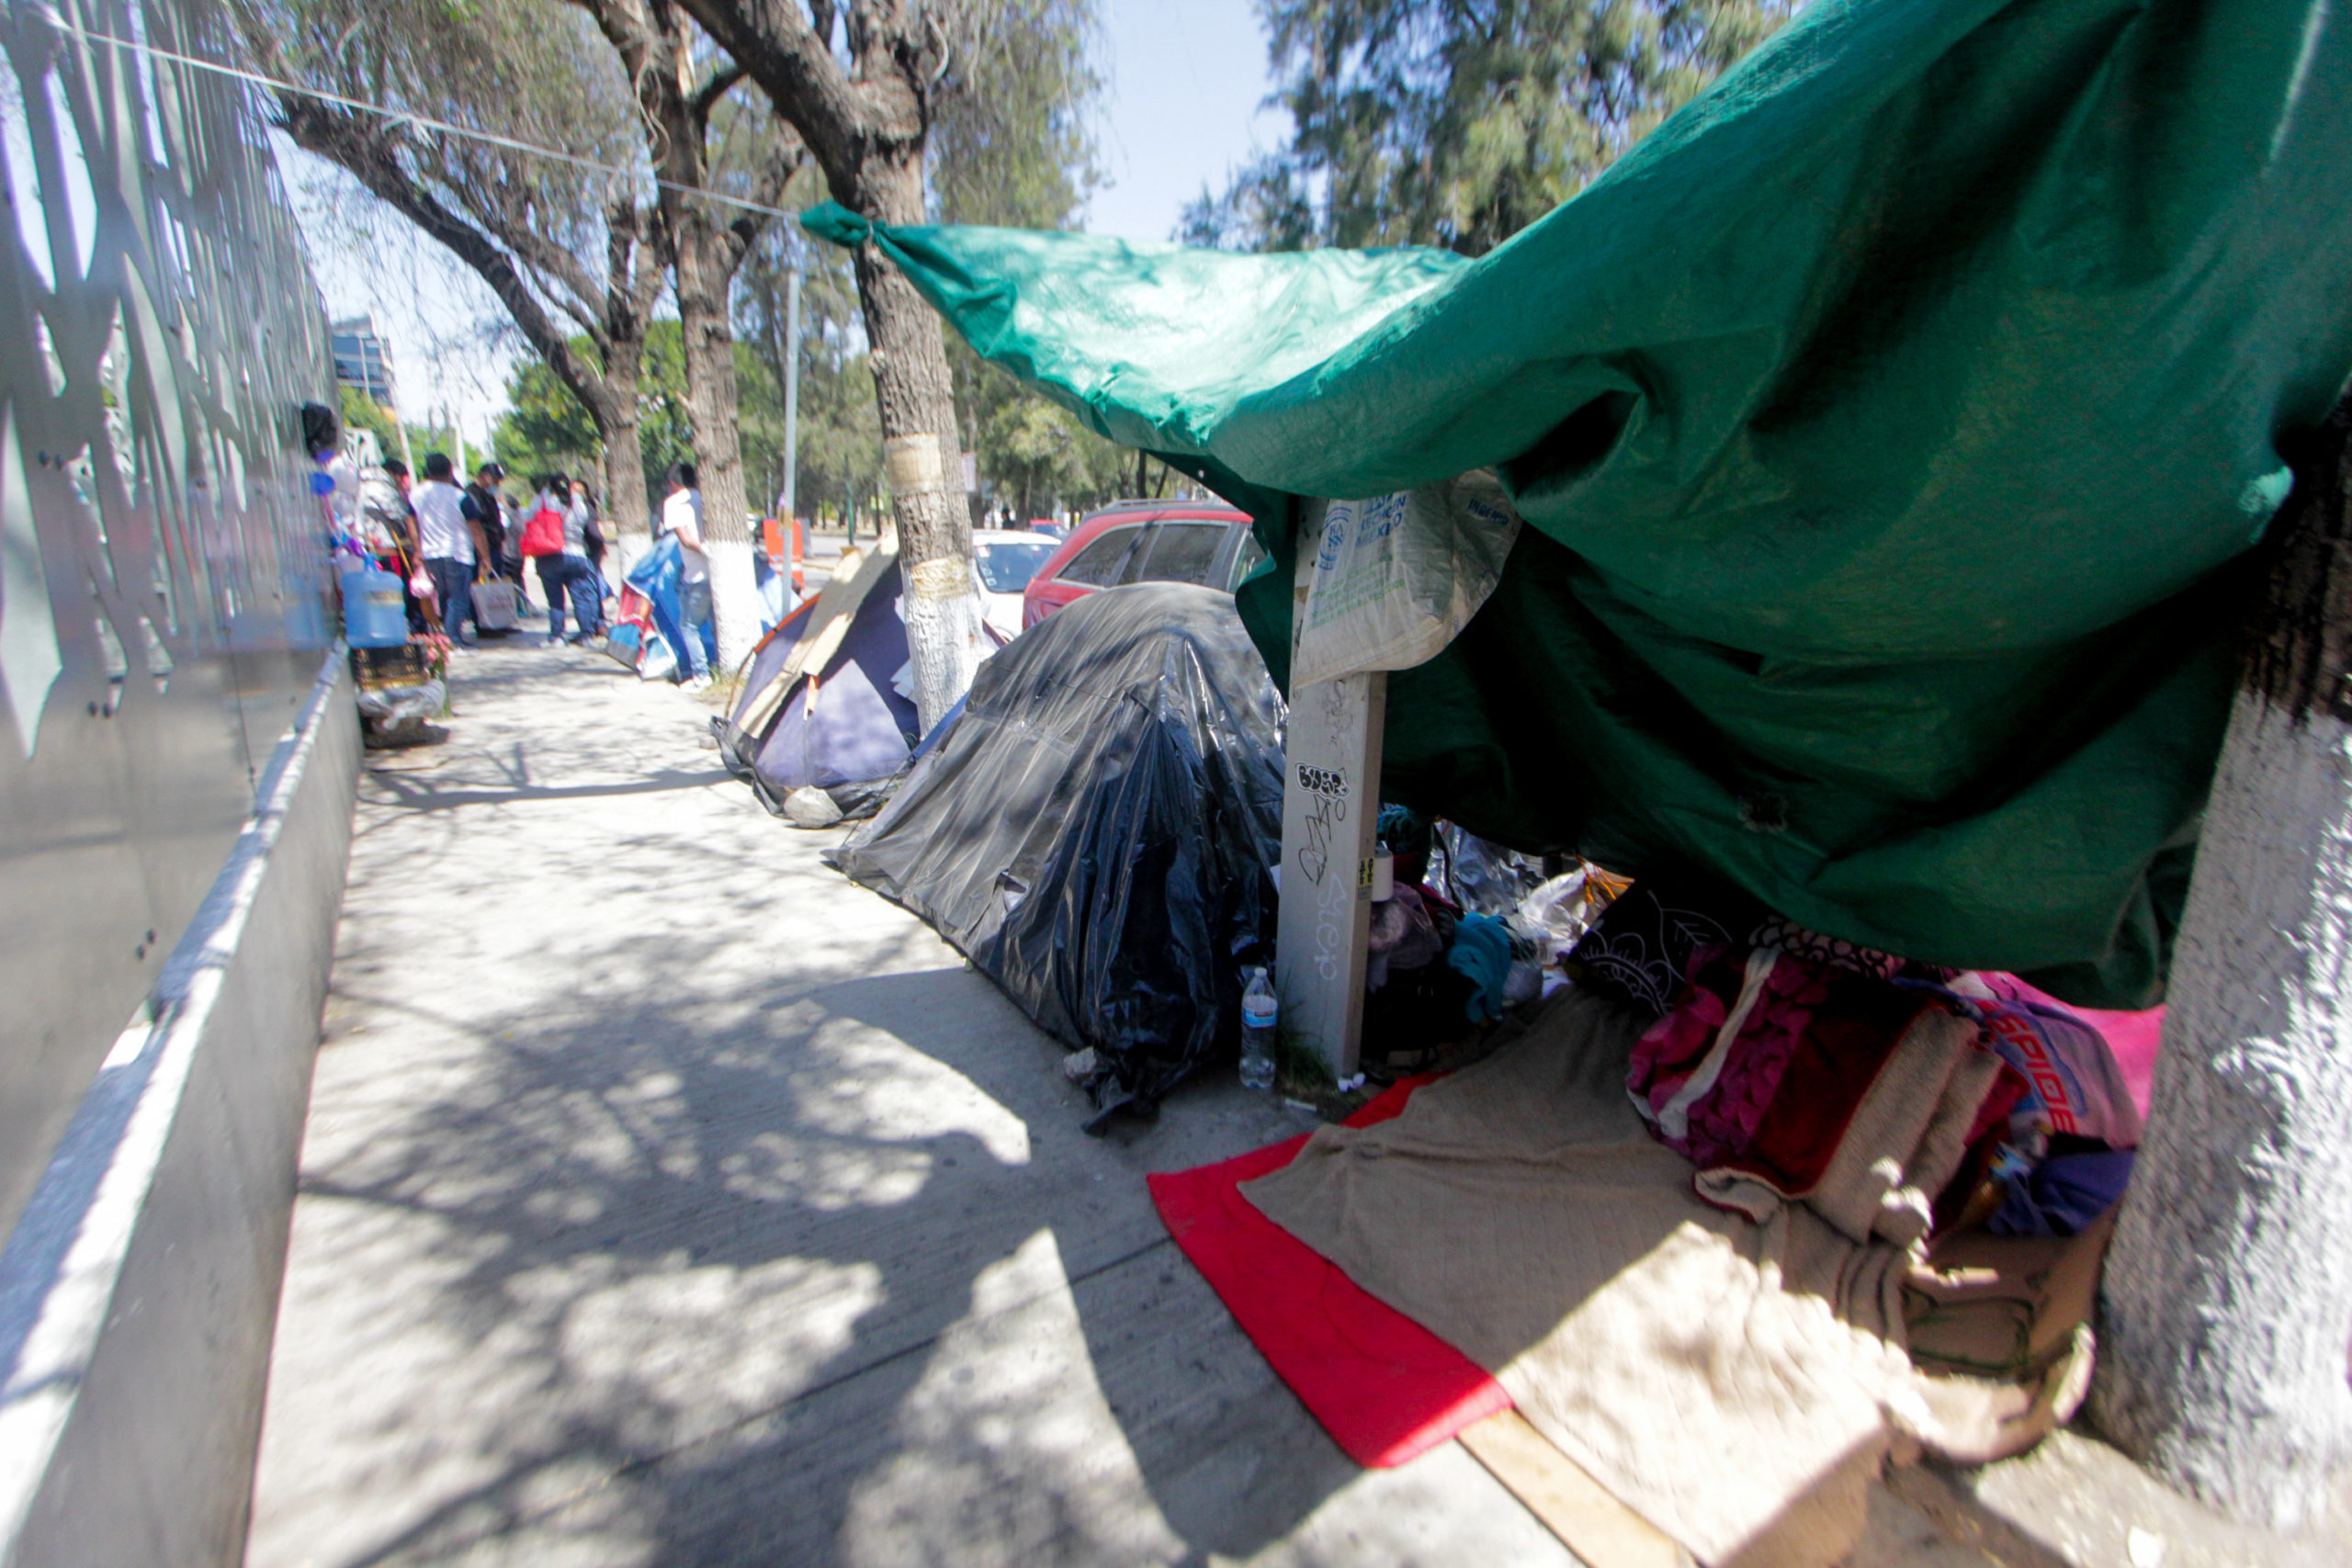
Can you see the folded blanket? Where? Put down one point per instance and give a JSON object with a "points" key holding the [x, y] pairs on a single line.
{"points": [[1703, 1075], [1727, 1379], [1795, 1079], [1863, 1132], [2007, 1307]]}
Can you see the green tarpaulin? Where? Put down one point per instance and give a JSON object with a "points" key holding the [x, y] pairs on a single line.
{"points": [[1887, 423]]}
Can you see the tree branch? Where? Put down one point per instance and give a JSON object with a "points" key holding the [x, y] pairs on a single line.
{"points": [[367, 153], [775, 46], [745, 229], [534, 250], [705, 97], [633, 263], [627, 27]]}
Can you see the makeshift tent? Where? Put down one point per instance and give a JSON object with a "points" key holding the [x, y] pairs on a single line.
{"points": [[1094, 832], [820, 704], [654, 578], [1886, 424]]}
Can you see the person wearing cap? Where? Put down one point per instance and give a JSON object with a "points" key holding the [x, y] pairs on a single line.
{"points": [[408, 553], [488, 514]]}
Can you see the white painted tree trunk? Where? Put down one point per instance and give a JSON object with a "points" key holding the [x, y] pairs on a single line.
{"points": [[734, 601], [2228, 1295], [2227, 1301], [945, 639], [921, 454]]}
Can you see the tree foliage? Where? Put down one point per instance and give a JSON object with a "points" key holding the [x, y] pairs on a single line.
{"points": [[1043, 459], [1459, 122], [841, 430], [545, 426], [1011, 146], [568, 254], [361, 411], [1010, 143]]}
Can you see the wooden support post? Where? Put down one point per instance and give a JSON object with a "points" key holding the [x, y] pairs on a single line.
{"points": [[1330, 806]]}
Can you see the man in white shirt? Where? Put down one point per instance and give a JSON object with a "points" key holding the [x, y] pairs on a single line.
{"points": [[681, 515], [451, 543]]}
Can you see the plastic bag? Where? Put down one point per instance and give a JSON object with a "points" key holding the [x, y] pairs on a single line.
{"points": [[1567, 905], [1483, 878], [657, 660], [2077, 1086], [655, 575], [1393, 579], [400, 715]]}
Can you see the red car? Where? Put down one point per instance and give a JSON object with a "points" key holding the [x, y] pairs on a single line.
{"points": [[1205, 542]]}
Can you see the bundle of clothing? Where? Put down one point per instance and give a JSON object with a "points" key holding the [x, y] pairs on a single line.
{"points": [[1778, 1053], [1471, 931], [1741, 1211]]}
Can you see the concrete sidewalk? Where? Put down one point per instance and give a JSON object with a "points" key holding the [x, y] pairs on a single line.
{"points": [[668, 1200]]}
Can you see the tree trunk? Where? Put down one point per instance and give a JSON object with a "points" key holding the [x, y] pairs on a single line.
{"points": [[625, 506], [657, 51], [866, 127], [711, 409], [2227, 1299], [922, 458]]}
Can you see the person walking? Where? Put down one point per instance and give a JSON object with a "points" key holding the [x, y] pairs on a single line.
{"points": [[452, 542], [681, 515]]}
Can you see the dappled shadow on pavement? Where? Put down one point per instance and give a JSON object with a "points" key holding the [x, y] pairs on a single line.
{"points": [[668, 1200]]}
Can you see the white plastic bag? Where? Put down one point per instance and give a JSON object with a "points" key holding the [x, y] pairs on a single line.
{"points": [[1389, 582]]}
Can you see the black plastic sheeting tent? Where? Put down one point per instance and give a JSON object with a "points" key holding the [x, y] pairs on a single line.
{"points": [[1096, 833]]}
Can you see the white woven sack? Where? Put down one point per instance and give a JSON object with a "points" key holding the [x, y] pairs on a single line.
{"points": [[1390, 581]]}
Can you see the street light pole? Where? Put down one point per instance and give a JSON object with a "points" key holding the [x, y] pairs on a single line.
{"points": [[791, 397]]}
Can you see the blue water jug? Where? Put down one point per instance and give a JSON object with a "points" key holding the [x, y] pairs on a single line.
{"points": [[374, 614]]}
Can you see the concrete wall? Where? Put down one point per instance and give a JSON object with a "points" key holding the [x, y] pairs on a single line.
{"points": [[139, 1291]]}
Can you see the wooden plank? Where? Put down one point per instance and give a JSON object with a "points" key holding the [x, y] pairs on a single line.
{"points": [[1584, 1514], [853, 578], [1330, 806]]}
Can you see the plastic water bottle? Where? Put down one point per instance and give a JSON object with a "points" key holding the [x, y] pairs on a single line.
{"points": [[1258, 1011]]}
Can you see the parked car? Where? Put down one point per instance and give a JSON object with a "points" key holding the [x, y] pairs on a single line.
{"points": [[1007, 559], [1205, 542]]}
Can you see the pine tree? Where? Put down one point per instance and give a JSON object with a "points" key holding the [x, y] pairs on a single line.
{"points": [[1459, 122]]}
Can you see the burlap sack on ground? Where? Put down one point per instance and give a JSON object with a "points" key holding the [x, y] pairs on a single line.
{"points": [[1734, 1382]]}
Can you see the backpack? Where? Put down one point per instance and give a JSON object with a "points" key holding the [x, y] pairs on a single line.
{"points": [[543, 535]]}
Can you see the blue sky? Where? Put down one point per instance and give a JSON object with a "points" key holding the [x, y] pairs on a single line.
{"points": [[1184, 80]]}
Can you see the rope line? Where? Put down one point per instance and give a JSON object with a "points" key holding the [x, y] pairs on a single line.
{"points": [[426, 122]]}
